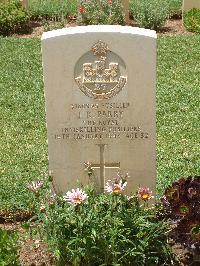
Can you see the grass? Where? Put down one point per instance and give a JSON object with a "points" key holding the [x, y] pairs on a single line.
{"points": [[177, 108], [23, 145]]}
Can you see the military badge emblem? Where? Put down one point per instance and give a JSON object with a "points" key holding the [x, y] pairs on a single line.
{"points": [[100, 79]]}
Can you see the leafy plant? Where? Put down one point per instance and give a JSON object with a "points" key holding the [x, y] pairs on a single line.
{"points": [[83, 228], [175, 7], [9, 248], [100, 12], [150, 14], [53, 25], [181, 204], [192, 20], [55, 9], [13, 18]]}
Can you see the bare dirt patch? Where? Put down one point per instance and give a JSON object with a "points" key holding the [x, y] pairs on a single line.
{"points": [[171, 27], [174, 27], [33, 252]]}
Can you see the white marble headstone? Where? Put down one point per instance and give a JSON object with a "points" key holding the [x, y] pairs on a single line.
{"points": [[190, 4], [125, 4], [100, 84]]}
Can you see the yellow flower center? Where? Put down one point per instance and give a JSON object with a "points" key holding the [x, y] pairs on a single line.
{"points": [[116, 189], [145, 196], [77, 200]]}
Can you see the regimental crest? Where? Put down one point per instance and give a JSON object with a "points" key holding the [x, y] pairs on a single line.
{"points": [[100, 79]]}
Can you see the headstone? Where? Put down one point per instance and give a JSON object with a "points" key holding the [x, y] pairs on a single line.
{"points": [[25, 3], [190, 4], [125, 4], [100, 104]]}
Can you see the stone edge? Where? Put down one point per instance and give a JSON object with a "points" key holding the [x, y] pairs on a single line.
{"points": [[99, 28]]}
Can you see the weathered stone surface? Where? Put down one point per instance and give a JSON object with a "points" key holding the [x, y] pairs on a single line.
{"points": [[125, 4], [25, 3], [100, 104], [190, 4]]}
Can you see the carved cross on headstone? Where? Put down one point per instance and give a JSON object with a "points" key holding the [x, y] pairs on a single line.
{"points": [[103, 166]]}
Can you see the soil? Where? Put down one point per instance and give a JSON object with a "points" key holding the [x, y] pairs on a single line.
{"points": [[34, 252], [171, 27]]}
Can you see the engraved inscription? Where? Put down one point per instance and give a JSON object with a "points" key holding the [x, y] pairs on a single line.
{"points": [[101, 121]]}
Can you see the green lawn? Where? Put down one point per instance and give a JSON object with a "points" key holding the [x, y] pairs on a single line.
{"points": [[23, 145], [178, 89]]}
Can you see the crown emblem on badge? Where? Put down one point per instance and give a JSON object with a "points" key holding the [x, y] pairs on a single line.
{"points": [[100, 79]]}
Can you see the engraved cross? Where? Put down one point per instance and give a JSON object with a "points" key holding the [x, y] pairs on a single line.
{"points": [[103, 166]]}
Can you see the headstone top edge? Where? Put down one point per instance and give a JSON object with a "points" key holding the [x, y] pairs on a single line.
{"points": [[99, 29]]}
